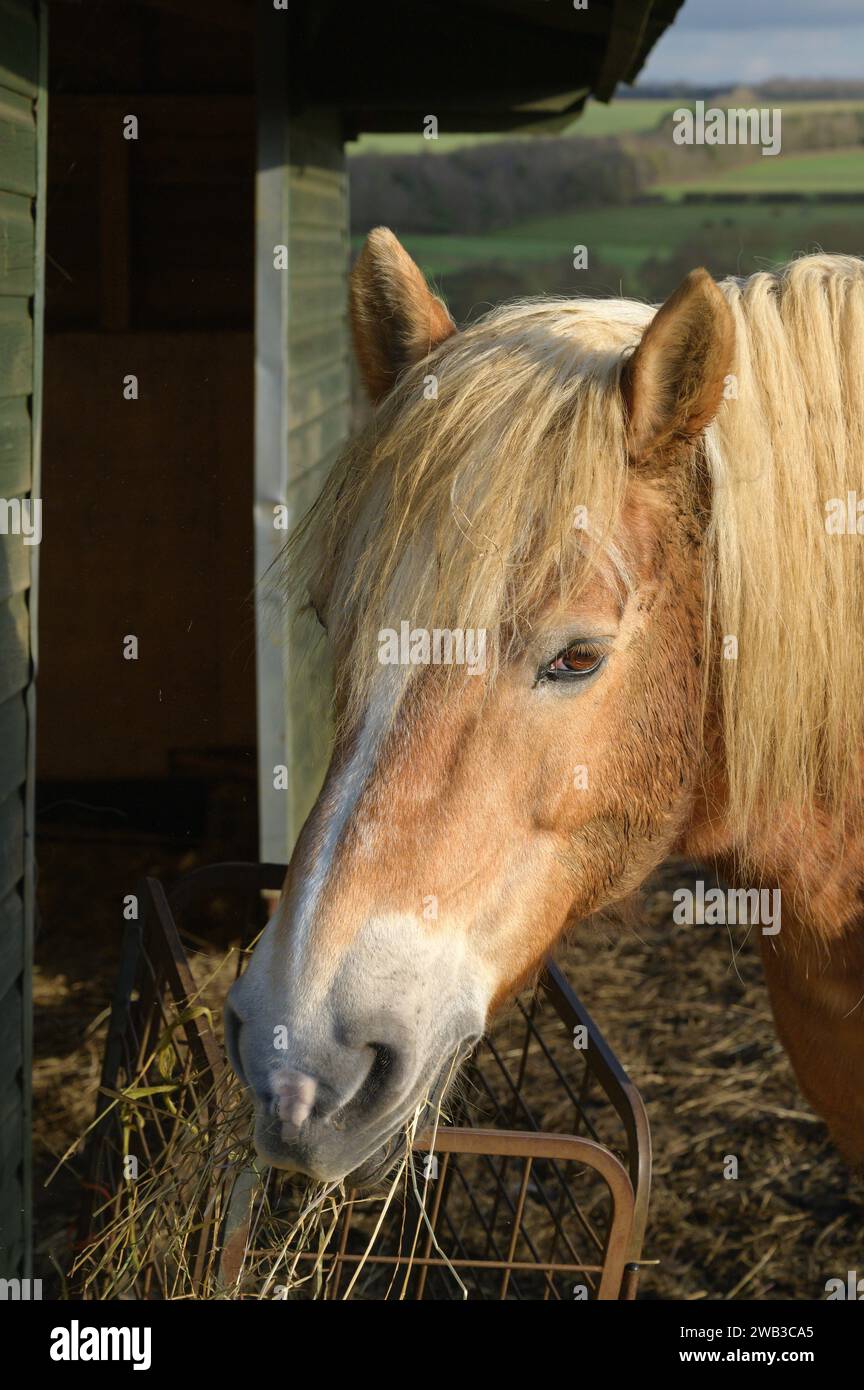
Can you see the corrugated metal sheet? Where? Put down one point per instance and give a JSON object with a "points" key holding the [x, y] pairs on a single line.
{"points": [[22, 144]]}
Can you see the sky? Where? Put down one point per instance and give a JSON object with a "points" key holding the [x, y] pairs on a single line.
{"points": [[750, 40]]}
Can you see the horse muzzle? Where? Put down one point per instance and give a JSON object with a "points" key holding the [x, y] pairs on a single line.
{"points": [[333, 1108]]}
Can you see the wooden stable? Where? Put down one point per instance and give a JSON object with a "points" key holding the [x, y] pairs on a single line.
{"points": [[22, 233], [161, 266]]}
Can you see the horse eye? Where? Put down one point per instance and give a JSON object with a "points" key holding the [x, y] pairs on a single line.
{"points": [[577, 660]]}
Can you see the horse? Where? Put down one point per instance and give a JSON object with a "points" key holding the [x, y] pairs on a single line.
{"points": [[637, 507]]}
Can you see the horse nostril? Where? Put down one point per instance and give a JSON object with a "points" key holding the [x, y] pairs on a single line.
{"points": [[232, 1026], [379, 1076], [294, 1096]]}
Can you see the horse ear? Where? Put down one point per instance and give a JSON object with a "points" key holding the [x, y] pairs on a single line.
{"points": [[395, 317], [673, 383]]}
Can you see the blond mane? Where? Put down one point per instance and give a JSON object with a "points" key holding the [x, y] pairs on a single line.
{"points": [[455, 508]]}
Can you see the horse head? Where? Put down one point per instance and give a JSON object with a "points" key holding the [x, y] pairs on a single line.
{"points": [[508, 566]]}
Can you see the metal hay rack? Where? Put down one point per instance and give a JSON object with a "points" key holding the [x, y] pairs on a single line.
{"points": [[537, 1186]]}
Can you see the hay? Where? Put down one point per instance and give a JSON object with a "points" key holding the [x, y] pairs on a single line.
{"points": [[185, 1154], [187, 1213], [687, 1013]]}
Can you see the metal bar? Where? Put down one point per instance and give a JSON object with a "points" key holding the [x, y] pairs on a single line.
{"points": [[563, 1147], [182, 982], [438, 1262], [343, 1241], [575, 1208], [565, 1083], [517, 1226], [622, 1093]]}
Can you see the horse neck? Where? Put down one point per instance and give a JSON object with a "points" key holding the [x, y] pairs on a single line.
{"points": [[817, 862]]}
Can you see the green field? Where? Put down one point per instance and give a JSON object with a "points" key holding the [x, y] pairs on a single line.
{"points": [[644, 249], [628, 117], [619, 118], [627, 236], [825, 171]]}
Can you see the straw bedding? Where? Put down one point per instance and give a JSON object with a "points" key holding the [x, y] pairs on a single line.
{"points": [[686, 1010]]}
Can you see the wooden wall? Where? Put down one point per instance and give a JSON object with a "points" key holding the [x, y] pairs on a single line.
{"points": [[303, 406], [150, 534], [151, 274], [22, 145]]}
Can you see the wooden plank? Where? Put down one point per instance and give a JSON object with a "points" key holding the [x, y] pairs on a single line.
{"points": [[19, 47], [11, 940], [314, 252], [13, 1225], [314, 346], [14, 653], [15, 435], [12, 1141], [319, 439], [16, 348], [15, 559], [316, 301], [10, 1099], [12, 748], [29, 798], [12, 1200], [11, 1015], [318, 410], [311, 394], [22, 76], [17, 144], [316, 203], [316, 471], [16, 245], [305, 487], [308, 174], [10, 1088], [302, 415], [12, 1258], [11, 841]]}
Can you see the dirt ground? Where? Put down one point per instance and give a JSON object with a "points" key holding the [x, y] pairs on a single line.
{"points": [[685, 1009], [83, 878]]}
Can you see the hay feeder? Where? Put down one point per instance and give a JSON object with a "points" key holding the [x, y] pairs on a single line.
{"points": [[533, 1185]]}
